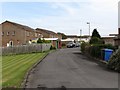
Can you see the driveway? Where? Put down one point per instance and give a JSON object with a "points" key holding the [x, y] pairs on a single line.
{"points": [[69, 68]]}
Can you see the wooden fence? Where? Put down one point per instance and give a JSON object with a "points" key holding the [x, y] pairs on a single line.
{"points": [[25, 49]]}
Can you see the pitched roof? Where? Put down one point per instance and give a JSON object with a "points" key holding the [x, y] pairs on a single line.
{"points": [[108, 37], [113, 34], [20, 25], [46, 31], [71, 36], [75, 36]]}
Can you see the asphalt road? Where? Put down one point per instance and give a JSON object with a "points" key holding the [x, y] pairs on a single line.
{"points": [[69, 68]]}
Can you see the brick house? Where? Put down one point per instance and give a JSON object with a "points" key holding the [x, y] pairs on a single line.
{"points": [[117, 40], [48, 33], [109, 40], [78, 38], [74, 37], [17, 34], [52, 36]]}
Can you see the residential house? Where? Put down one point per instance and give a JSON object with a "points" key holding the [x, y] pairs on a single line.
{"points": [[117, 40], [113, 35], [16, 34], [52, 36], [75, 38], [70, 38], [0, 35], [84, 38], [109, 40], [46, 33], [13, 34]]}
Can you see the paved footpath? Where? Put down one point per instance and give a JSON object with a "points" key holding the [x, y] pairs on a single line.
{"points": [[69, 68]]}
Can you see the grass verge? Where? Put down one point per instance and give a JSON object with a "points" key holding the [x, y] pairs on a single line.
{"points": [[15, 67]]}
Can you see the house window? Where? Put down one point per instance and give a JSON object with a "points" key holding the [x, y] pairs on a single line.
{"points": [[8, 33], [13, 33], [28, 34], [36, 35], [2, 33], [52, 36], [10, 43], [41, 36]]}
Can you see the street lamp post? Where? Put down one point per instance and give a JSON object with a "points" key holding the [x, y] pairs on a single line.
{"points": [[80, 34], [89, 27]]}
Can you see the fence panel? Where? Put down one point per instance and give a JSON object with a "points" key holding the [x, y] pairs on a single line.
{"points": [[25, 49]]}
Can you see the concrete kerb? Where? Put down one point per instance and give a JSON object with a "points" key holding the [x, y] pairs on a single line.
{"points": [[23, 84]]}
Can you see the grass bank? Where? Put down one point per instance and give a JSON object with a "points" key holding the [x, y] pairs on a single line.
{"points": [[15, 67]]}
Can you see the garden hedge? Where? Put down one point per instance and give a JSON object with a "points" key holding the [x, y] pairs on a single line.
{"points": [[95, 49], [114, 62]]}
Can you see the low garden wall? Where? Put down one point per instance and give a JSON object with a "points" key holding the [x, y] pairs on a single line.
{"points": [[25, 49]]}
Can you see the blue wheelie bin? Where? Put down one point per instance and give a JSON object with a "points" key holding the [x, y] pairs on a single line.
{"points": [[107, 54]]}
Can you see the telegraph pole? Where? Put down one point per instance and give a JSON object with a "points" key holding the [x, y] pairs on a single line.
{"points": [[80, 34], [89, 27]]}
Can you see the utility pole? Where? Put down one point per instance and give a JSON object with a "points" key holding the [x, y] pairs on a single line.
{"points": [[80, 34], [89, 27]]}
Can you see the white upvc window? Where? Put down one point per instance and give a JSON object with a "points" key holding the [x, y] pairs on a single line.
{"points": [[36, 35], [8, 33], [13, 33], [28, 33], [2, 33]]}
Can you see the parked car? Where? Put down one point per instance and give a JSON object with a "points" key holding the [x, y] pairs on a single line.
{"points": [[70, 45], [77, 44]]}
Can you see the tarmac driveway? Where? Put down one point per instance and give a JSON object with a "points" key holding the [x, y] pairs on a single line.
{"points": [[69, 68]]}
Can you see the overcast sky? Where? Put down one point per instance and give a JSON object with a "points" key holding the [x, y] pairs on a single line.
{"points": [[66, 16], [119, 14]]}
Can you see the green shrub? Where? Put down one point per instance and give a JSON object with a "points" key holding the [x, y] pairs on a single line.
{"points": [[33, 42], [114, 62], [95, 33], [43, 41], [95, 40], [39, 40], [95, 50], [47, 41], [83, 46]]}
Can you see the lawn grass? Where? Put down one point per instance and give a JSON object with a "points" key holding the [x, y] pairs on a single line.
{"points": [[15, 67]]}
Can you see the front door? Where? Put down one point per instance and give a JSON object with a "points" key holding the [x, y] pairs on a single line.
{"points": [[56, 44], [10, 43]]}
